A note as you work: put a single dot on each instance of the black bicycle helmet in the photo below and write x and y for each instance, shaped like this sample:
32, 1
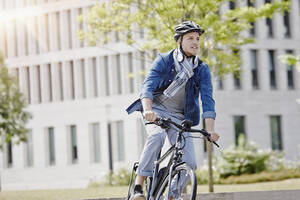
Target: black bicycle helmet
187, 27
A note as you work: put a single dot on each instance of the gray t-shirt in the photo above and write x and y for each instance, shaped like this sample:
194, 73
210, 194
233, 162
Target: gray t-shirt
173, 106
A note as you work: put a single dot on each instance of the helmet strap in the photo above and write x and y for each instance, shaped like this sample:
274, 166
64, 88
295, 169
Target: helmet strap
180, 45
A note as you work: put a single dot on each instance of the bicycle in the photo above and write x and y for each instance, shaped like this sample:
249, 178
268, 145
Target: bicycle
158, 186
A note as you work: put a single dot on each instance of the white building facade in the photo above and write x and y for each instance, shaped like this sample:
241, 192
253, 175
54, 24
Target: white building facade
78, 95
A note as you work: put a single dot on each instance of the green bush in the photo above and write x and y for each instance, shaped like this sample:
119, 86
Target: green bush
122, 177
202, 175
244, 158
261, 177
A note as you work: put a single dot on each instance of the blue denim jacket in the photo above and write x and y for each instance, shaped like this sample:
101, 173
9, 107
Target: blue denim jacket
160, 77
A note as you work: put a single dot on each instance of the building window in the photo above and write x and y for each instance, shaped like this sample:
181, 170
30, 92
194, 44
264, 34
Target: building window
73, 144
272, 69
49, 72
3, 40
142, 33
239, 127
270, 27
254, 69
117, 36
237, 81
95, 77
290, 73
60, 76
120, 138
116, 141
9, 155
106, 72
17, 75
28, 92
39, 89
276, 139
69, 28
252, 30
232, 5
287, 27
14, 30
143, 65
95, 142
269, 23
82, 65
80, 25
220, 84
26, 36
72, 79
47, 35
118, 71
36, 39
51, 146
28, 149
58, 31
130, 73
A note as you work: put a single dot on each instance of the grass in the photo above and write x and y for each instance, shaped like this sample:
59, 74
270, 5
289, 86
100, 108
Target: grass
67, 194
121, 191
261, 177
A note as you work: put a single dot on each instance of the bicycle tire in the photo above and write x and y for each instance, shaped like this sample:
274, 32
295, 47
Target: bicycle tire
192, 190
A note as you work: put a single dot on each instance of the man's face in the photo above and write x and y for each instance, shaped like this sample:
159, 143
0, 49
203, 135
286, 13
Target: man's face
190, 43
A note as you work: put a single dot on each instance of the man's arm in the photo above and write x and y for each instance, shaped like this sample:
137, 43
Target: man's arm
210, 127
147, 110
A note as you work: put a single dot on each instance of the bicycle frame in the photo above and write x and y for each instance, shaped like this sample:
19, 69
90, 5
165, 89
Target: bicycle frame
176, 150
175, 159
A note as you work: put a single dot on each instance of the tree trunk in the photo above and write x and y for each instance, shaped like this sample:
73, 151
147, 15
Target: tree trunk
210, 171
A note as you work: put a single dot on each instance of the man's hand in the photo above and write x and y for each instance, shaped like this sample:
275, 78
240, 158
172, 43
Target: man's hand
214, 136
149, 115
210, 124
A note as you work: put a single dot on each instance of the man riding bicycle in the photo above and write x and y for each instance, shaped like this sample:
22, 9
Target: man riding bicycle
171, 90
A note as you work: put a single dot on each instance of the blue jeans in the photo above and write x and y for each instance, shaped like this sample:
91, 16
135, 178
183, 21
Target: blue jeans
154, 144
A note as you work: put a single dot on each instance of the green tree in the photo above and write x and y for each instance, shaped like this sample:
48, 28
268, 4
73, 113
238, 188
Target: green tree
156, 19
13, 116
292, 61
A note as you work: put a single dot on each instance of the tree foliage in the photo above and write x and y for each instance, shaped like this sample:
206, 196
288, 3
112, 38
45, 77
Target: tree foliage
292, 61
13, 115
225, 29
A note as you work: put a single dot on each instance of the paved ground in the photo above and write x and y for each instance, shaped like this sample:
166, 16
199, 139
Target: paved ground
259, 195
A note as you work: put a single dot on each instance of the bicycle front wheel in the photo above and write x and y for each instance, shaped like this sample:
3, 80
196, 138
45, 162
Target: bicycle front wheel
183, 184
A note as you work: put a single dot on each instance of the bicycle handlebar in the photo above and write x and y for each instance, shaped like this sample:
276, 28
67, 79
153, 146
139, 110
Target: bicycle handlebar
185, 126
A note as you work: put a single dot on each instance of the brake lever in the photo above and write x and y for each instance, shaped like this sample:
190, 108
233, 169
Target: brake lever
160, 122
